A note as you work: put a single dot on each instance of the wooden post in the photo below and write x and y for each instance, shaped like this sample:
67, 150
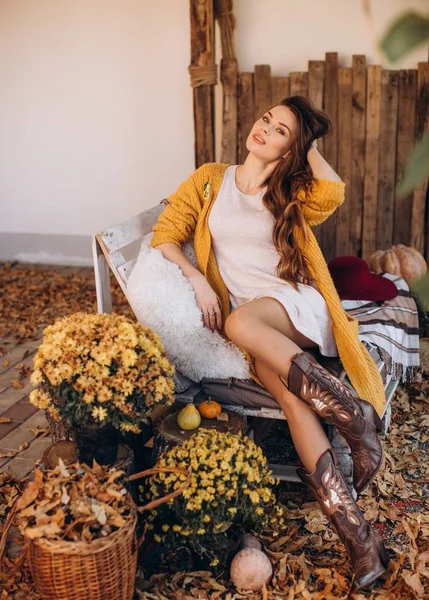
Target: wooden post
327, 229
316, 84
279, 89
387, 159
373, 117
262, 90
358, 153
405, 143
203, 78
420, 193
299, 83
229, 79
345, 92
246, 112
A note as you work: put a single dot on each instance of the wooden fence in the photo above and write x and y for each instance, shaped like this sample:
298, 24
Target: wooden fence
376, 115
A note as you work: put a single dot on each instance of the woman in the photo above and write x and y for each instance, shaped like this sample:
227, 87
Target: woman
258, 256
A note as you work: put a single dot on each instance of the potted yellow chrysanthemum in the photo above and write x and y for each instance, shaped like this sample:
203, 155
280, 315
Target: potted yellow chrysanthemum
100, 374
231, 488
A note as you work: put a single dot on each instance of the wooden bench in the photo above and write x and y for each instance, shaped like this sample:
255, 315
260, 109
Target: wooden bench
116, 249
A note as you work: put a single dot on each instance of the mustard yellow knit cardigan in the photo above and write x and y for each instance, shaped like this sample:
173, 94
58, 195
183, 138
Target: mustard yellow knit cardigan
187, 213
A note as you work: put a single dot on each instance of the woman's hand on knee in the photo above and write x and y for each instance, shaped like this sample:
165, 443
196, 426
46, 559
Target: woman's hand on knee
207, 302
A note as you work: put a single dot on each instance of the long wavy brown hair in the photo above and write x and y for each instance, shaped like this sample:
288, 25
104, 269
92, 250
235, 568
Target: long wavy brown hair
292, 175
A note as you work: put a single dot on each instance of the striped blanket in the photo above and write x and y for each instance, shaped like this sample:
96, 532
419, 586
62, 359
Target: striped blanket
392, 327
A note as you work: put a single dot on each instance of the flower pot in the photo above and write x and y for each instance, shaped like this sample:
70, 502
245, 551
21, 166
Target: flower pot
96, 443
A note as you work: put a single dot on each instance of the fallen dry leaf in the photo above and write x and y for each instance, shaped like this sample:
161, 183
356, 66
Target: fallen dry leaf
39, 431
397, 494
18, 385
6, 454
4, 420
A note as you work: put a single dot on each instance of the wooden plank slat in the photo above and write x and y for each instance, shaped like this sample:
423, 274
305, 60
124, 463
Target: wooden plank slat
121, 235
330, 102
405, 142
316, 83
355, 206
279, 89
246, 112
387, 159
299, 83
373, 117
262, 90
202, 55
417, 237
124, 270
229, 79
102, 275
16, 354
10, 375
345, 94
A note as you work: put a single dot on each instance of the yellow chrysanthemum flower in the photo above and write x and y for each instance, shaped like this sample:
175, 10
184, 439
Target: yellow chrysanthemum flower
99, 413
103, 358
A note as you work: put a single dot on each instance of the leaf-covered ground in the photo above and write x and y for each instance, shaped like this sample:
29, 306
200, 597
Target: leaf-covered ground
308, 559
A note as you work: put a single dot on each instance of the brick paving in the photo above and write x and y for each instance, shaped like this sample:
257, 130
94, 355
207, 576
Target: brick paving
20, 447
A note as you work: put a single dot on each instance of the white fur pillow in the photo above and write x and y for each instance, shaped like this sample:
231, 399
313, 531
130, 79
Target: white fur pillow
164, 300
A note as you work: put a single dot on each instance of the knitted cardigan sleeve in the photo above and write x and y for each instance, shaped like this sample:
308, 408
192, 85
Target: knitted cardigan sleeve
178, 220
323, 199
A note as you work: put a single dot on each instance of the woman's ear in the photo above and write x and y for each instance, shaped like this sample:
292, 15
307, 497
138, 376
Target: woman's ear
287, 154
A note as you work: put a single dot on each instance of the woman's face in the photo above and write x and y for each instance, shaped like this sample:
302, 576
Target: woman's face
272, 135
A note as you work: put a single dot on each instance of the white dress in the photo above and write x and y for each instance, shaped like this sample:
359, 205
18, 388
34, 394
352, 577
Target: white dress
241, 229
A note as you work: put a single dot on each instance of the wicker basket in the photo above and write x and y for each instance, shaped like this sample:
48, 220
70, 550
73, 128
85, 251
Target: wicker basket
102, 570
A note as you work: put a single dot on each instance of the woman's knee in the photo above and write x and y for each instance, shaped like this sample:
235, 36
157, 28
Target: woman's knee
238, 325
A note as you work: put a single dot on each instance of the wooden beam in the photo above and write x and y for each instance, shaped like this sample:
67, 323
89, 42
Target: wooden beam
387, 159
420, 193
203, 67
246, 112
229, 79
330, 101
316, 84
279, 89
262, 90
358, 153
405, 142
345, 92
372, 148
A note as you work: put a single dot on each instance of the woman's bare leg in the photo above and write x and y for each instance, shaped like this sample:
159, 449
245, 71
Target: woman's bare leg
307, 433
264, 329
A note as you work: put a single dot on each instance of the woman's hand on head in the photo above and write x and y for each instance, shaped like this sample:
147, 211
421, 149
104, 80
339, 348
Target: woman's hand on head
207, 302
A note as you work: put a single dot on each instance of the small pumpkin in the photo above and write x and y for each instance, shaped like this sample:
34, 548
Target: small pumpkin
250, 541
189, 418
399, 260
250, 569
210, 409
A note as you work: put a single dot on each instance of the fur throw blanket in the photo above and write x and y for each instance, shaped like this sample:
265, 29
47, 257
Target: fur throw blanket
164, 300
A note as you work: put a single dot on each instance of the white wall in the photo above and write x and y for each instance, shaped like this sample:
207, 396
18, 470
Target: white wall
96, 116
286, 34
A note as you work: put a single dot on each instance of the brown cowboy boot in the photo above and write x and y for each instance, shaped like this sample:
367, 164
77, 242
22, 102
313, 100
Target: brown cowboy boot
366, 550
354, 418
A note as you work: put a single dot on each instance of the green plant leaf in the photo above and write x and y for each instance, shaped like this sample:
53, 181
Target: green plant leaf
421, 289
417, 167
405, 33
